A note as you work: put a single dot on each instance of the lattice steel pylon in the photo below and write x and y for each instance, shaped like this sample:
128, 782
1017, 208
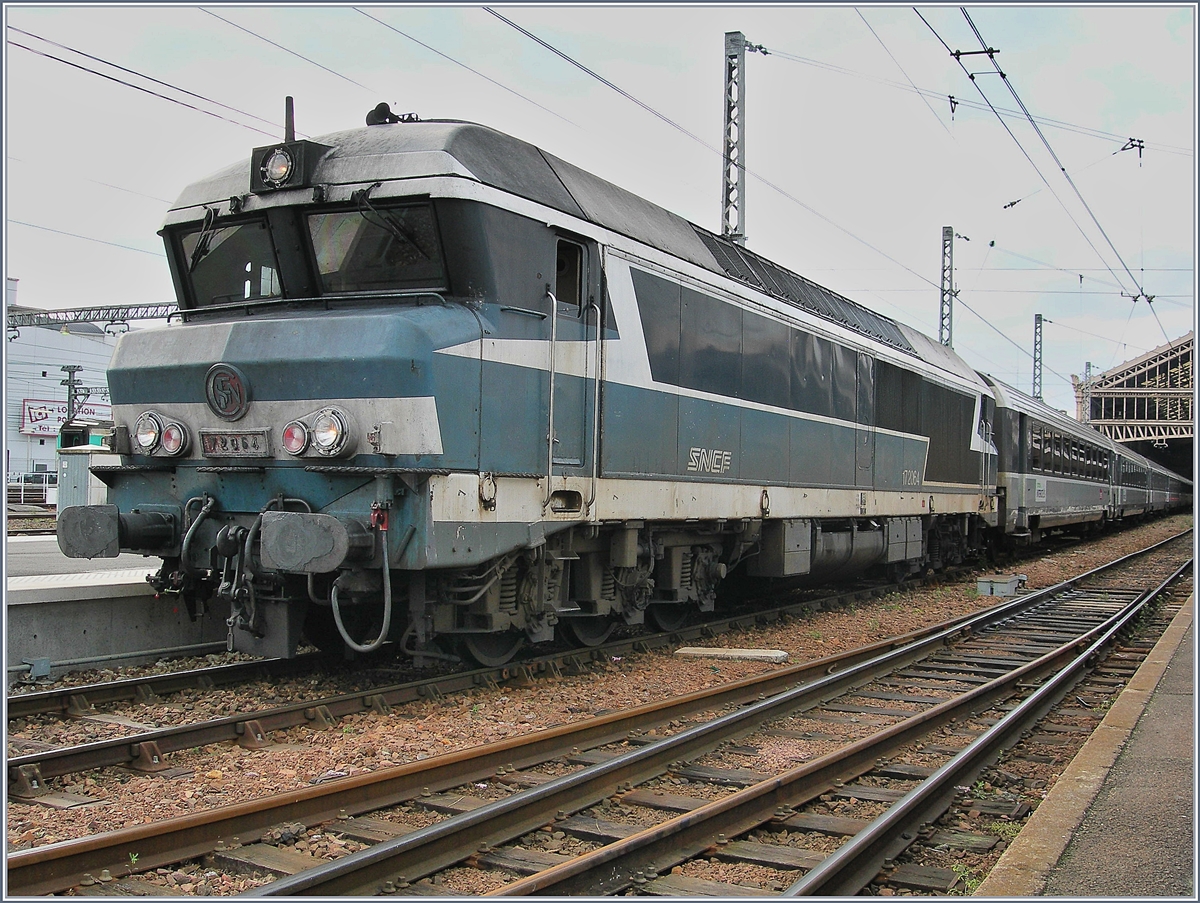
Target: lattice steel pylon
1037, 357
1146, 399
946, 318
733, 172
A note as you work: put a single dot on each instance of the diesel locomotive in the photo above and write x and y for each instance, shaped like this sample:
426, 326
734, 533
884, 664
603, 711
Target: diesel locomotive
433, 386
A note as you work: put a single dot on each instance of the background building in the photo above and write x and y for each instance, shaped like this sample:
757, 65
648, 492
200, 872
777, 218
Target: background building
1146, 404
35, 394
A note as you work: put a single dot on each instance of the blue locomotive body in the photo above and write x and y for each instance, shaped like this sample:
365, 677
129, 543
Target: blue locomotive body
434, 384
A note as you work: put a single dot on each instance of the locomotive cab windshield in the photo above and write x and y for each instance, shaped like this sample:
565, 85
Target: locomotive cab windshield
230, 263
366, 248
377, 248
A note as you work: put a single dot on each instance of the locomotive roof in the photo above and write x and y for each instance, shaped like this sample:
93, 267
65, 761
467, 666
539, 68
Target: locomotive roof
467, 150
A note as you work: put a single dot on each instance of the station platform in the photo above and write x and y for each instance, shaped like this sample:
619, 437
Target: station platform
58, 623
1120, 820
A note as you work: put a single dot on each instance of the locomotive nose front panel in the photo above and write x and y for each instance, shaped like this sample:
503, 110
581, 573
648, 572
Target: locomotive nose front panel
328, 385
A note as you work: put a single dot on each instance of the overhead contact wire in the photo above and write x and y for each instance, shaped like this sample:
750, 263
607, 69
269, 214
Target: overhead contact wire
1066, 175
971, 104
1018, 143
710, 147
148, 78
1010, 341
446, 56
902, 72
1086, 238
119, 81
87, 238
600, 78
288, 50
1053, 155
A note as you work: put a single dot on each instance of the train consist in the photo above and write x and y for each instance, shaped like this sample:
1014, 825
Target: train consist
436, 386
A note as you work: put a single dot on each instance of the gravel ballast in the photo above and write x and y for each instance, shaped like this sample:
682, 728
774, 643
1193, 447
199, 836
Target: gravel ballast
224, 774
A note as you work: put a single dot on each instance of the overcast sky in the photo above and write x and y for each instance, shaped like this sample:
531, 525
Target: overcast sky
856, 157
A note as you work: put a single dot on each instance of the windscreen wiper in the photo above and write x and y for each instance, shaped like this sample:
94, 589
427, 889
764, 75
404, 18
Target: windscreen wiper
207, 231
385, 219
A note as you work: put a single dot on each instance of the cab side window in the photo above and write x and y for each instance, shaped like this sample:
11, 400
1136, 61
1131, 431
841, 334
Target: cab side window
568, 275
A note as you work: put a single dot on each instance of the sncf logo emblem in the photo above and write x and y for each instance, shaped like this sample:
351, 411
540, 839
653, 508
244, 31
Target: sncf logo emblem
227, 391
709, 460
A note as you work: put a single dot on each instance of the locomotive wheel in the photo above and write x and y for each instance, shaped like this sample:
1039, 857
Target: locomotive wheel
584, 632
666, 617
492, 649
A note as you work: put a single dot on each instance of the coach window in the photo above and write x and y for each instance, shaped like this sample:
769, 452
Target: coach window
568, 275
1035, 448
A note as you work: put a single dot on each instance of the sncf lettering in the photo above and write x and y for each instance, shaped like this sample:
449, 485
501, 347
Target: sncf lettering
709, 460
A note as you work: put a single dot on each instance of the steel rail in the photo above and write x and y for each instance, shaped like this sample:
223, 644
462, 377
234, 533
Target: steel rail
856, 862
56, 867
66, 700
439, 846
58, 700
614, 867
124, 750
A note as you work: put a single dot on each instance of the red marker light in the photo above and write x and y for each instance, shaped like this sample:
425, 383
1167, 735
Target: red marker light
295, 438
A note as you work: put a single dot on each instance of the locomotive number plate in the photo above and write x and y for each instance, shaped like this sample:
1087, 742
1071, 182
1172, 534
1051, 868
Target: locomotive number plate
235, 443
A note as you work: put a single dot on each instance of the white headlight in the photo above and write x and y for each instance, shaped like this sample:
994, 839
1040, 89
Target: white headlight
147, 432
277, 167
329, 432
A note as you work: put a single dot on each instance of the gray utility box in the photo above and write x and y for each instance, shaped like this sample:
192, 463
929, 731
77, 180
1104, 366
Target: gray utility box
786, 549
76, 484
1001, 584
904, 539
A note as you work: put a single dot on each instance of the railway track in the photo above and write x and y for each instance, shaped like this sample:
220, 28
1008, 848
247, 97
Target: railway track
30, 523
79, 700
608, 788
146, 750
